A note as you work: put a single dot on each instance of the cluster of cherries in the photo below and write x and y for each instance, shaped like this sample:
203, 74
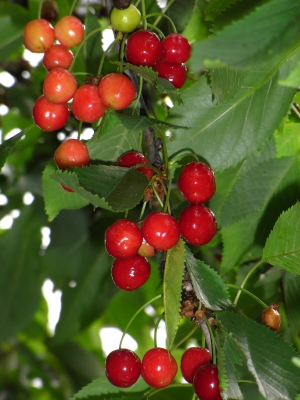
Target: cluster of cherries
158, 368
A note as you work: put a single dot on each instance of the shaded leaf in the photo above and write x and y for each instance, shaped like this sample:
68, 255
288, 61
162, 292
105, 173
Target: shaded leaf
172, 286
136, 124
287, 140
7, 146
217, 7
291, 289
163, 86
92, 48
293, 80
226, 82
146, 73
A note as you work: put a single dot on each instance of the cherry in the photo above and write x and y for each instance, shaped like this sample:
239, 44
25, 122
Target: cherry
59, 85
146, 250
159, 367
38, 35
122, 367
132, 158
87, 105
161, 230
50, 116
71, 153
191, 360
130, 273
197, 182
174, 73
125, 20
116, 91
197, 224
177, 49
206, 383
69, 31
144, 48
49, 10
123, 239
57, 56
120, 4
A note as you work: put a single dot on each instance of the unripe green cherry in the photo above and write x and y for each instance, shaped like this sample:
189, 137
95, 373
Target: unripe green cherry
126, 20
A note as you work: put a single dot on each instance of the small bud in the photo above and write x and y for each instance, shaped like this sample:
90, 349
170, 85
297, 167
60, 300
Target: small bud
271, 317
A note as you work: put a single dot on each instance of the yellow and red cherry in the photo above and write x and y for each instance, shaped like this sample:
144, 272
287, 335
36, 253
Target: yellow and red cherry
57, 56
59, 85
71, 153
38, 35
50, 116
87, 105
69, 31
116, 91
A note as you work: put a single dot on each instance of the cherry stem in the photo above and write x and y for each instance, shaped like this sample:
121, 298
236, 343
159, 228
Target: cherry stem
144, 15
24, 131
154, 28
105, 53
165, 16
245, 281
247, 381
121, 53
167, 201
264, 305
156, 328
155, 192
73, 6
40, 10
184, 339
194, 396
140, 87
163, 11
180, 156
143, 210
134, 316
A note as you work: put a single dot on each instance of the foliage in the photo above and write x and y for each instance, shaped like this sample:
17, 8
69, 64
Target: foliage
238, 112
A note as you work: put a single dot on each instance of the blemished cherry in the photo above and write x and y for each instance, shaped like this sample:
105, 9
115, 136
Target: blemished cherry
123, 239
159, 367
144, 48
116, 91
57, 56
71, 153
132, 158
125, 20
69, 31
50, 116
130, 273
38, 35
122, 368
146, 250
59, 85
192, 359
174, 73
87, 105
161, 230
197, 182
197, 224
177, 49
206, 383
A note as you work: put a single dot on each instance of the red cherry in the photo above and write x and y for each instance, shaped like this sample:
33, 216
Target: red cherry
174, 73
50, 116
197, 182
159, 367
87, 105
132, 158
130, 273
191, 360
206, 383
122, 367
144, 48
177, 49
38, 35
197, 224
69, 31
161, 231
71, 153
57, 56
123, 239
116, 91
59, 85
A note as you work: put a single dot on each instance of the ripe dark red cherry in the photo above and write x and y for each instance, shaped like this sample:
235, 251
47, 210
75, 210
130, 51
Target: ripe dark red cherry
59, 85
159, 367
174, 73
192, 359
161, 231
69, 31
122, 367
132, 158
197, 224
177, 49
130, 273
87, 105
123, 239
206, 383
50, 116
197, 182
38, 35
144, 48
71, 153
57, 56
116, 91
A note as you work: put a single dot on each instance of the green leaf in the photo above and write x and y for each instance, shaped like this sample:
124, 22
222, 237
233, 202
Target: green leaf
137, 124
163, 86
172, 286
226, 82
291, 289
269, 30
7, 146
287, 140
92, 48
282, 248
268, 356
209, 287
217, 7
147, 73
180, 12
293, 80
226, 133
